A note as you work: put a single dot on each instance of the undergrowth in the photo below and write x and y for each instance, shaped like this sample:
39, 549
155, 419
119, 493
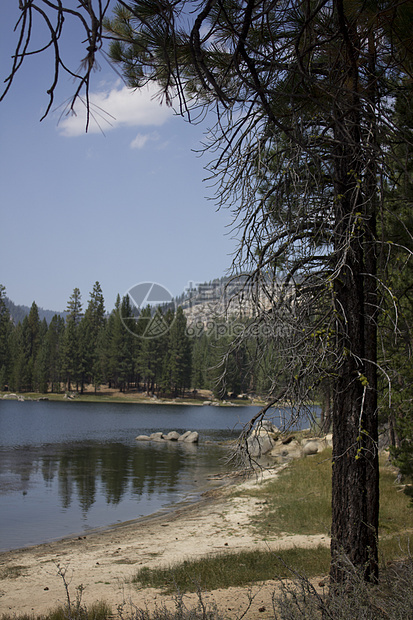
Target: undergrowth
298, 500
234, 569
295, 598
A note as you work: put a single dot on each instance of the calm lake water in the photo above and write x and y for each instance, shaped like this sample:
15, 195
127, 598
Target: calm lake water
70, 467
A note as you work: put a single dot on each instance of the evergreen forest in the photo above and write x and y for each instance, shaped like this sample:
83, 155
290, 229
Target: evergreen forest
91, 348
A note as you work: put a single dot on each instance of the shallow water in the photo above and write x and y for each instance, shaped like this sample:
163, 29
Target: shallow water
69, 467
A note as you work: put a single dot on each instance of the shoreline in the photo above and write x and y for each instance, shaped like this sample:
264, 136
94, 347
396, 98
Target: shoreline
133, 397
201, 496
104, 561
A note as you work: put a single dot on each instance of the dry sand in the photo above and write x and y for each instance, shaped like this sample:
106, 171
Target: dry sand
103, 562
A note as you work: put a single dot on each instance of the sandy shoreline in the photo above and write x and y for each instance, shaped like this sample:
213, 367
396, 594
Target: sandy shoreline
104, 561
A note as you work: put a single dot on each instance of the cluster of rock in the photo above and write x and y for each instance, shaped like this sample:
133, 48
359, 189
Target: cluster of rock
266, 439
187, 437
20, 398
10, 396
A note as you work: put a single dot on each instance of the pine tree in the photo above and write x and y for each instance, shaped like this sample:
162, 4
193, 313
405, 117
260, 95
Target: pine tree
5, 335
54, 337
128, 343
121, 343
71, 346
31, 340
90, 328
200, 361
41, 363
179, 354
145, 350
303, 92
19, 377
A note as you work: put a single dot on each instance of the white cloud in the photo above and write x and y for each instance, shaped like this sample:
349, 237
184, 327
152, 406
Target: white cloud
141, 139
116, 108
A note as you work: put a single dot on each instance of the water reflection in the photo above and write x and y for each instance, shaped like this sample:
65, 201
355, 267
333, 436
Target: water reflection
66, 468
112, 470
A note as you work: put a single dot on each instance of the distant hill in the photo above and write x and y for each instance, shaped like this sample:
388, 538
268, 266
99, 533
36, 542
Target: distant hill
18, 312
201, 302
223, 297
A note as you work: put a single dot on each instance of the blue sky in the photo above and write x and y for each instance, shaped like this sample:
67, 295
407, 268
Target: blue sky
122, 207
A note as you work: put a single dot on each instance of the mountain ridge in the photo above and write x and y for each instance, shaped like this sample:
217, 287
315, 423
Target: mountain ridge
19, 311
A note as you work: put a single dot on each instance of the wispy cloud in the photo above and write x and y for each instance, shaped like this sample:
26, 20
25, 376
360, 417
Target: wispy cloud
117, 107
141, 139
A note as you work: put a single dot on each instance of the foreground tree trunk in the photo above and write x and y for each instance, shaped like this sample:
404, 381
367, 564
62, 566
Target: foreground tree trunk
355, 478
355, 497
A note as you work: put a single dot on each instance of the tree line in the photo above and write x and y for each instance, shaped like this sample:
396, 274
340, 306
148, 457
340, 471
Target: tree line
116, 349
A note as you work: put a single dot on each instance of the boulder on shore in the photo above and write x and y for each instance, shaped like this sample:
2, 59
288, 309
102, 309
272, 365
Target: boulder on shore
312, 447
258, 445
192, 437
265, 439
262, 438
283, 452
187, 437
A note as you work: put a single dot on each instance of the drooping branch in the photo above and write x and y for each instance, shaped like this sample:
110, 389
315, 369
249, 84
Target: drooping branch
89, 15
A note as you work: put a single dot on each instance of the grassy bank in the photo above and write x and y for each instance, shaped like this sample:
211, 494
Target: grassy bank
298, 501
235, 569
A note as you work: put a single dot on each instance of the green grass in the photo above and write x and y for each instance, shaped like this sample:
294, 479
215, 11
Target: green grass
396, 511
395, 519
298, 501
235, 569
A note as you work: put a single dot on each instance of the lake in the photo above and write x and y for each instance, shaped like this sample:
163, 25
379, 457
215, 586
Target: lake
67, 468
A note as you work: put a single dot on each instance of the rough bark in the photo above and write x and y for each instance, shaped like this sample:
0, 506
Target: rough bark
355, 497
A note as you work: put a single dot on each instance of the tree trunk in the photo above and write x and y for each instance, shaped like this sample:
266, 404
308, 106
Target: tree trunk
355, 497
355, 480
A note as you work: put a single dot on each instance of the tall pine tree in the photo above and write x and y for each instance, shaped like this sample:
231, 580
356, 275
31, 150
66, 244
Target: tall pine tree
5, 334
91, 326
71, 346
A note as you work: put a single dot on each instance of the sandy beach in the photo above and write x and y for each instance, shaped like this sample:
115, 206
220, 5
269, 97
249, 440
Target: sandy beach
104, 561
